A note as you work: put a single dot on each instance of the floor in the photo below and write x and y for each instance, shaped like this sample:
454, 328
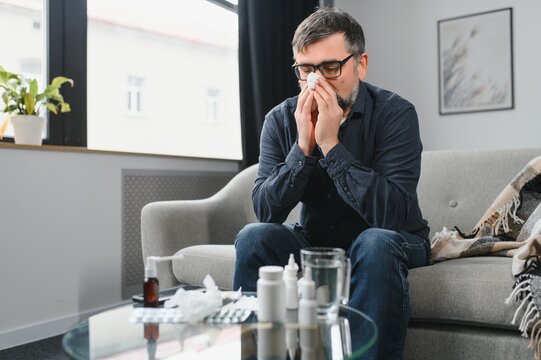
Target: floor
46, 349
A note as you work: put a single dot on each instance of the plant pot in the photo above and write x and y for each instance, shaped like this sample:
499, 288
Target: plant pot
28, 129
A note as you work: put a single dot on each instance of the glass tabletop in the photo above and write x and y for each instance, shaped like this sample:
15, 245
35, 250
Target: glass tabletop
109, 335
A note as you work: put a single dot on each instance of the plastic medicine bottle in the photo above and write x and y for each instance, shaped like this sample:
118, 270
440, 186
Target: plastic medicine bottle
271, 294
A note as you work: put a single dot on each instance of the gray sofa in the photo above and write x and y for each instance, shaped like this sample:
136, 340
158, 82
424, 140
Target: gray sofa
458, 309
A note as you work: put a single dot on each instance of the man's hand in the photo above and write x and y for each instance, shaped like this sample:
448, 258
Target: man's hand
306, 116
329, 117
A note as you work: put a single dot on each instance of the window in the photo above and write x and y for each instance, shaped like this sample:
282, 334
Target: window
212, 106
172, 65
17, 55
135, 85
185, 56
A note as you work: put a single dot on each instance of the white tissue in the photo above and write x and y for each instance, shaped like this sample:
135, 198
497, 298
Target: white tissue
311, 80
196, 305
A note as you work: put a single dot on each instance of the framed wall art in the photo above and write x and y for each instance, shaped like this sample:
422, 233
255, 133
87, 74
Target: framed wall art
475, 58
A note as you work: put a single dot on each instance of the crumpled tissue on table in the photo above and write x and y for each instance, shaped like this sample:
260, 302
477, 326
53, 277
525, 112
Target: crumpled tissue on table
196, 305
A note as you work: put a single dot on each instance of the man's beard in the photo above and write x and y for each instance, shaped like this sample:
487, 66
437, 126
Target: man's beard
346, 103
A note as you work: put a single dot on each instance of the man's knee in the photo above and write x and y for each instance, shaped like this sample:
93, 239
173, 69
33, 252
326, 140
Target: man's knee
255, 235
376, 244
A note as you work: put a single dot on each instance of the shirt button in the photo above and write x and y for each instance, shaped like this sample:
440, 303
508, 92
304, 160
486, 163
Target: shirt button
299, 163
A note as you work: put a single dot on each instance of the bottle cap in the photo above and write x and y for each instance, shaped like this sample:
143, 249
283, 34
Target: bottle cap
308, 287
151, 271
291, 269
271, 272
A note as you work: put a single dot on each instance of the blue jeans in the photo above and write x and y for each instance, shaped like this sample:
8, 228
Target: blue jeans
380, 260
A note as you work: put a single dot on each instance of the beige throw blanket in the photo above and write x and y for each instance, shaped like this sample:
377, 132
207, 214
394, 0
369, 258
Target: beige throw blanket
510, 227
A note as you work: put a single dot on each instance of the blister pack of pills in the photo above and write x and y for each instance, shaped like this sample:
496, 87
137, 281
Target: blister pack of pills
156, 315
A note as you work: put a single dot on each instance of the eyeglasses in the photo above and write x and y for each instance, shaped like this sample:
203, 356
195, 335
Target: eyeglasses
329, 69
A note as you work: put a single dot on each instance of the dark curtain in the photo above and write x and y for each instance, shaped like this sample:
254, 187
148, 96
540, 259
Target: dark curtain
266, 28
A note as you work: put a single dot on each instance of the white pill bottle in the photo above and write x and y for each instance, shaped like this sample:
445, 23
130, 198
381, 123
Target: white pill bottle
271, 295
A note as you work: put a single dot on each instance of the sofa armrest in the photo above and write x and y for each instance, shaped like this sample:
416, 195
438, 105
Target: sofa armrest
168, 226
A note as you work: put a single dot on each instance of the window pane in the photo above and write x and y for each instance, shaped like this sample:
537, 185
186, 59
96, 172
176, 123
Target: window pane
163, 78
23, 42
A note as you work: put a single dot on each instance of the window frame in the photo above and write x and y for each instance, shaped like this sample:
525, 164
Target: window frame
66, 55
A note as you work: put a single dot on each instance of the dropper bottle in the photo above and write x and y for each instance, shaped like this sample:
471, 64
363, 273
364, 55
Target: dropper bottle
290, 279
151, 287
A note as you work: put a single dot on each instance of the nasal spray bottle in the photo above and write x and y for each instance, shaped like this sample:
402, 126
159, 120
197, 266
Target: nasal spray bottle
308, 316
308, 303
292, 303
151, 287
290, 279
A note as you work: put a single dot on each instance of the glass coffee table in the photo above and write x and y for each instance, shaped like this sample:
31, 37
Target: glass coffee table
109, 335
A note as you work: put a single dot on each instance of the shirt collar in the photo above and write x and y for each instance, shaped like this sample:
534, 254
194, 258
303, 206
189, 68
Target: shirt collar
359, 105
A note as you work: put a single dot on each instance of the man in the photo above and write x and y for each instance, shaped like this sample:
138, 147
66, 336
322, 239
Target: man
350, 153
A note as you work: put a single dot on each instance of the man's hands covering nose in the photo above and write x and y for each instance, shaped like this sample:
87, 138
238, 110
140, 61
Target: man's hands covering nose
318, 117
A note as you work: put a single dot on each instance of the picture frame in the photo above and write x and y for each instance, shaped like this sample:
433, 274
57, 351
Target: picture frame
475, 62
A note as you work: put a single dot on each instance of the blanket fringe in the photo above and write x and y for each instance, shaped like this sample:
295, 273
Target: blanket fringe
522, 287
524, 301
522, 292
499, 219
507, 211
535, 333
528, 315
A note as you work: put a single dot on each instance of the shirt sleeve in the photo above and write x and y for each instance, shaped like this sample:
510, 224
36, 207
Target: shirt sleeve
384, 193
282, 176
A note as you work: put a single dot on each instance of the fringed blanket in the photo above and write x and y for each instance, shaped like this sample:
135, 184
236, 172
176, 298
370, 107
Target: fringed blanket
510, 227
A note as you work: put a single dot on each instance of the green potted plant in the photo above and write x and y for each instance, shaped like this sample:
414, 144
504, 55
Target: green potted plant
21, 99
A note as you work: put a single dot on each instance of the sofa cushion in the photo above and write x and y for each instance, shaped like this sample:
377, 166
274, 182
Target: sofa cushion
468, 291
216, 260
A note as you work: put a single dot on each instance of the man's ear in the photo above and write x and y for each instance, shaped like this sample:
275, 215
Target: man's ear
362, 66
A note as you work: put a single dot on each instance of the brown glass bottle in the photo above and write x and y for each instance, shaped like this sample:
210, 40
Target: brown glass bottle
151, 292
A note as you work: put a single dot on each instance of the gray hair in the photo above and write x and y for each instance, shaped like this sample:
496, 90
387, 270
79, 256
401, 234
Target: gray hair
325, 22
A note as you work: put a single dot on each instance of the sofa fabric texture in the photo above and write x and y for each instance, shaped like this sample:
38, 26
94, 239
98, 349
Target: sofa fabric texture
454, 303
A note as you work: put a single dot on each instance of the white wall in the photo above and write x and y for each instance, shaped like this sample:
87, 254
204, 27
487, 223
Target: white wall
402, 45
60, 235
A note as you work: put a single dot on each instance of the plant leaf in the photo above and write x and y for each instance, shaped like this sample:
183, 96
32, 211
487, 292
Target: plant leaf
33, 87
52, 108
4, 126
29, 103
50, 91
65, 107
59, 80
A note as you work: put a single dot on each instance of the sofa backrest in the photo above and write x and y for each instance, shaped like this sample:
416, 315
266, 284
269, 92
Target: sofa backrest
455, 188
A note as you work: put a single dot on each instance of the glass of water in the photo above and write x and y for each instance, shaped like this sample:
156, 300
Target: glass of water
331, 271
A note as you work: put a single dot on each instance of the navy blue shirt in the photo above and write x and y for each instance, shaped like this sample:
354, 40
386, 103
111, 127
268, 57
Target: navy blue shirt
368, 180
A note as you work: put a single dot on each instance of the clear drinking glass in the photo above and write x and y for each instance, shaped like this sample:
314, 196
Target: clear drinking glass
331, 271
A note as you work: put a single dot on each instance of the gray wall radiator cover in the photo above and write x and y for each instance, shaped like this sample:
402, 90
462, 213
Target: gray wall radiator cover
140, 187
